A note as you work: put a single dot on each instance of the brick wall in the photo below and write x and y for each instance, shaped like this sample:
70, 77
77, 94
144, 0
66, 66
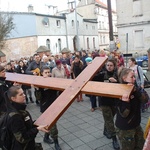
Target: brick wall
21, 47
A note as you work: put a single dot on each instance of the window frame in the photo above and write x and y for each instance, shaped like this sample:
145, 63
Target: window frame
58, 23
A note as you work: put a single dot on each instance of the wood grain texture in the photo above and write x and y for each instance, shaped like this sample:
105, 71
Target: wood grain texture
71, 89
92, 88
114, 90
60, 105
39, 81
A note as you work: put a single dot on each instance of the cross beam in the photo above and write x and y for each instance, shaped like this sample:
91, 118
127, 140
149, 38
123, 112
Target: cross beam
91, 88
71, 89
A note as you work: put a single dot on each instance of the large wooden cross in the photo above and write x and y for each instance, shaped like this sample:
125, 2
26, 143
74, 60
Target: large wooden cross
71, 88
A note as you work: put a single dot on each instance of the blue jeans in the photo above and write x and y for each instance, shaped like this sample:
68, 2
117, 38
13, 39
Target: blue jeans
93, 101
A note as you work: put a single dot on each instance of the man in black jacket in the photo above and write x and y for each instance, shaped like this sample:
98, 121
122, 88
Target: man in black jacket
34, 69
3, 88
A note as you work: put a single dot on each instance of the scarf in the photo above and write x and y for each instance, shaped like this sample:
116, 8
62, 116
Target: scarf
67, 72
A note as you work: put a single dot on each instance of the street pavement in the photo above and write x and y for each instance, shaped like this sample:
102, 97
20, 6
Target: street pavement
79, 128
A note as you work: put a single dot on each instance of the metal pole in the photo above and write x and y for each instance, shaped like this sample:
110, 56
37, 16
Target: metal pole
111, 38
126, 47
110, 21
76, 22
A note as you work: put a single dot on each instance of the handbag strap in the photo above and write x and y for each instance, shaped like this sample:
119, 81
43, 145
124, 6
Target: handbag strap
145, 77
138, 72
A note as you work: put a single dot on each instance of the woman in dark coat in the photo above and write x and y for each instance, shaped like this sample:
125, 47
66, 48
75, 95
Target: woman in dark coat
76, 69
21, 68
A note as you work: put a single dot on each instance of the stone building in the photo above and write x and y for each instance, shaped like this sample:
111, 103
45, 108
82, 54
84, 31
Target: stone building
87, 32
2, 56
98, 10
133, 26
33, 30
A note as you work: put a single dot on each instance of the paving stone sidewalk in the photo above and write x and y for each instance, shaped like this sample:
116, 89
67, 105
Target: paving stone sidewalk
79, 128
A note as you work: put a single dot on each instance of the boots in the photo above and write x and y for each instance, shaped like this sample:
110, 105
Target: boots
57, 147
108, 135
47, 139
115, 143
31, 100
27, 101
37, 103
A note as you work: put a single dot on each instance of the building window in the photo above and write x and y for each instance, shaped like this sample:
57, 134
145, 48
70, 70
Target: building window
88, 47
93, 42
101, 39
59, 45
45, 21
104, 40
86, 2
48, 43
100, 26
93, 27
86, 26
137, 8
77, 23
58, 23
72, 22
138, 39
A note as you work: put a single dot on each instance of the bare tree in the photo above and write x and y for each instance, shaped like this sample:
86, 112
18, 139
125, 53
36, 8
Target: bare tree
6, 25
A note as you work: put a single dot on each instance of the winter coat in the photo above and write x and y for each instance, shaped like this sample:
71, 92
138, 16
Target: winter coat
21, 128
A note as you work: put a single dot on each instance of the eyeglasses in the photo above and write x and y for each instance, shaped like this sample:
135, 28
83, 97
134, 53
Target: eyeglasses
109, 65
47, 72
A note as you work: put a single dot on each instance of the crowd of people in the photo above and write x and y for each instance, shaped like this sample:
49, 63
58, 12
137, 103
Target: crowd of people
127, 110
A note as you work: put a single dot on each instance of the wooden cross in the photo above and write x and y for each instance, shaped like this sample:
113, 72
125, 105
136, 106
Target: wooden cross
71, 89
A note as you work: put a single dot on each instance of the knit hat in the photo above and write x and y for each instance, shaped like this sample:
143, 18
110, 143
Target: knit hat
88, 59
58, 62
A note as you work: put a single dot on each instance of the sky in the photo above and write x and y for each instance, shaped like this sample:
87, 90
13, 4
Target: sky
39, 5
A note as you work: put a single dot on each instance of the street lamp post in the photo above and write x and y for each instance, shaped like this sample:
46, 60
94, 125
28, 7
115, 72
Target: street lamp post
111, 38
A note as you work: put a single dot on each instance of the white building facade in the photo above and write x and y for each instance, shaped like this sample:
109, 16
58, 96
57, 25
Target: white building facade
87, 32
134, 26
97, 9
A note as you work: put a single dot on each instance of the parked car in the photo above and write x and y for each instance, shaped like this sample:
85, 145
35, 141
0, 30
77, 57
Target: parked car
142, 61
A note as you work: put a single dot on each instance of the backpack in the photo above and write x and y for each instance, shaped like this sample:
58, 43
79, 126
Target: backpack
5, 135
